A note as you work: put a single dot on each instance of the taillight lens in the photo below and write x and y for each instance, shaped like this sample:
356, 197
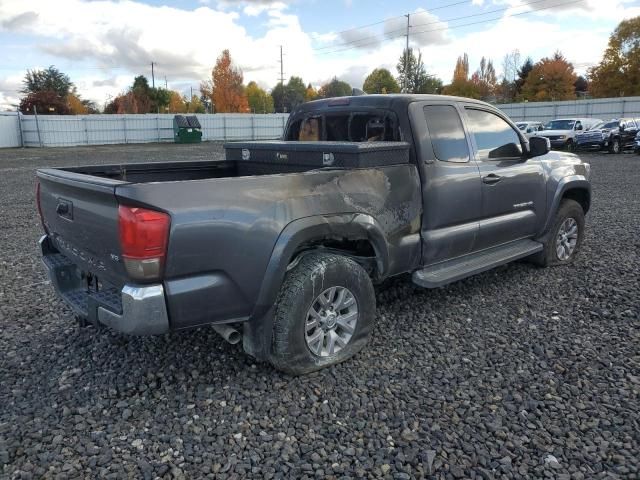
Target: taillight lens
144, 235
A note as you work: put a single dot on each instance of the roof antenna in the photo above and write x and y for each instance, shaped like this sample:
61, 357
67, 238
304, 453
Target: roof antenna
356, 92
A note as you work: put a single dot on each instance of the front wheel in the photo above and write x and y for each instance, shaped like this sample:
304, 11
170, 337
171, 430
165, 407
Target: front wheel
571, 147
563, 241
324, 315
615, 146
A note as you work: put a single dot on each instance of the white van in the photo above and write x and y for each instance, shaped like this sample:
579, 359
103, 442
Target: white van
561, 132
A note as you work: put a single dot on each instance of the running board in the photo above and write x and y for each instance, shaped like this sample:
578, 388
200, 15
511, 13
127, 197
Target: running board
459, 268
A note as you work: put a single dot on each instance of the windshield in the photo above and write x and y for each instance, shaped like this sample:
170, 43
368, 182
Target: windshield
560, 125
521, 126
609, 125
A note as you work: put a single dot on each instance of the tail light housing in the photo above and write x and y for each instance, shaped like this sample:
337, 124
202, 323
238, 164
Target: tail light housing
144, 235
39, 205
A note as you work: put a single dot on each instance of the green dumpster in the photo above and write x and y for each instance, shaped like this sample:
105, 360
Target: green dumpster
186, 129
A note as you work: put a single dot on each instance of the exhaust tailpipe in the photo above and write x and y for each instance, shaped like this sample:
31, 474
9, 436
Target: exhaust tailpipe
230, 334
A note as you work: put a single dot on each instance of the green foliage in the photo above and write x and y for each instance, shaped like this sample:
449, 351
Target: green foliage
259, 100
289, 96
48, 80
412, 75
335, 88
618, 73
380, 81
46, 102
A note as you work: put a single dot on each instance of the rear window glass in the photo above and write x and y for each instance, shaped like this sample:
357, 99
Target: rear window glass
446, 132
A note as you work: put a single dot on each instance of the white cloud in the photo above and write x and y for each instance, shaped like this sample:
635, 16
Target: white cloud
109, 42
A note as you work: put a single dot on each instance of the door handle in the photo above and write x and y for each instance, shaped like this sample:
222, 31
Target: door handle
491, 179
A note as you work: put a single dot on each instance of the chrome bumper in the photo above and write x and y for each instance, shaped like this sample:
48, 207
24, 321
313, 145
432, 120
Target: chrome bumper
134, 310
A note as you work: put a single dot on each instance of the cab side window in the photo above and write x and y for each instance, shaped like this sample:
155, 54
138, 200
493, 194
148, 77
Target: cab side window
447, 135
494, 137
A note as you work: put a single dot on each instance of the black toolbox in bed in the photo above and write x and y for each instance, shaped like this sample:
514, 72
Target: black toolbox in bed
319, 154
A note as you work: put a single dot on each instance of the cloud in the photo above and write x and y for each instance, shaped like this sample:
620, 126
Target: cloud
364, 38
20, 21
424, 28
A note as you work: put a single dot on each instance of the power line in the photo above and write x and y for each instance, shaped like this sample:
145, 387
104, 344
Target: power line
389, 34
357, 44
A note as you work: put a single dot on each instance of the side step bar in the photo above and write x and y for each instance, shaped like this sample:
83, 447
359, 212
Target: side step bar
459, 268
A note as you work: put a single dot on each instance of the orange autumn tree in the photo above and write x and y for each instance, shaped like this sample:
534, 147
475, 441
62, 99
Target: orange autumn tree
225, 88
551, 79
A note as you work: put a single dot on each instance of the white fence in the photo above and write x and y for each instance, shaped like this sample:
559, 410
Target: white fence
70, 130
67, 130
602, 108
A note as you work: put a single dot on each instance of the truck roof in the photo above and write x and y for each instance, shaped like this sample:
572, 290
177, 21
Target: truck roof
392, 101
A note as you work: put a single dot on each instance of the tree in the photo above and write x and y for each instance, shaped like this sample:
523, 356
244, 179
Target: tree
177, 103
259, 100
225, 88
289, 96
76, 107
412, 75
461, 70
506, 90
618, 73
582, 86
523, 73
46, 102
335, 88
485, 79
195, 105
461, 85
380, 81
551, 79
48, 80
310, 93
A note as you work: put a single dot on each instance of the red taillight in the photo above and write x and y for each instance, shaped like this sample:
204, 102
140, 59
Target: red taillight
143, 240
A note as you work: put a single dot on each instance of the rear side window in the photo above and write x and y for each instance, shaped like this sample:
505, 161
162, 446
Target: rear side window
494, 137
446, 132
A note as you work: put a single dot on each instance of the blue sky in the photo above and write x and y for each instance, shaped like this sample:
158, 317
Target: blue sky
103, 44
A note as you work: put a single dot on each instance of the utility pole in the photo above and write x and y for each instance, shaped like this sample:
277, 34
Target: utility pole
165, 83
191, 97
284, 91
281, 67
406, 58
153, 77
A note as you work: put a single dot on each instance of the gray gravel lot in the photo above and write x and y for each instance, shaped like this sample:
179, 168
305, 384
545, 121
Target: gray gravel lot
517, 373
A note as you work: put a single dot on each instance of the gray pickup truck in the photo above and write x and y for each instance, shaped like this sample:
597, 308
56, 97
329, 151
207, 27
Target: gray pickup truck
280, 244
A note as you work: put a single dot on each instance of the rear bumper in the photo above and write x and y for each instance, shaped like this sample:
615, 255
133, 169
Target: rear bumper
134, 309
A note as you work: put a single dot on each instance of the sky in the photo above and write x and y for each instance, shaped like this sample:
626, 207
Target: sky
102, 45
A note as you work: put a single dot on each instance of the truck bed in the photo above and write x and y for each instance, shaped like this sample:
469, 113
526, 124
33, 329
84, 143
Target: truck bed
246, 159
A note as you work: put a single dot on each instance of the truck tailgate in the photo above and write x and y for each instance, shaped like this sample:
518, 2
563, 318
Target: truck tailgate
80, 213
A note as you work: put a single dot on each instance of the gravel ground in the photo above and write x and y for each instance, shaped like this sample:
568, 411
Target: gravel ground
517, 373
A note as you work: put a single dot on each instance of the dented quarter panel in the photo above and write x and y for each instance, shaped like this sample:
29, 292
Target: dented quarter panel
223, 231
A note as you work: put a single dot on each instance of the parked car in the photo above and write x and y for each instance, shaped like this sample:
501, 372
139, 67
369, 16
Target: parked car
562, 131
614, 135
530, 129
636, 147
280, 244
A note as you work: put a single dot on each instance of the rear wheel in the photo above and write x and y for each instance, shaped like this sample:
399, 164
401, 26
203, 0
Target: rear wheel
563, 241
571, 147
615, 146
324, 315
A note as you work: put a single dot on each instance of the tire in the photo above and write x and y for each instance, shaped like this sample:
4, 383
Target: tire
570, 146
568, 212
294, 333
615, 146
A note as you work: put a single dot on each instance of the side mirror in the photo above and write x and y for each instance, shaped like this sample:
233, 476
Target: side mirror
622, 127
578, 127
539, 146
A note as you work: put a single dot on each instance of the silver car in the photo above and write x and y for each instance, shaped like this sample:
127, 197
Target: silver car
530, 129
